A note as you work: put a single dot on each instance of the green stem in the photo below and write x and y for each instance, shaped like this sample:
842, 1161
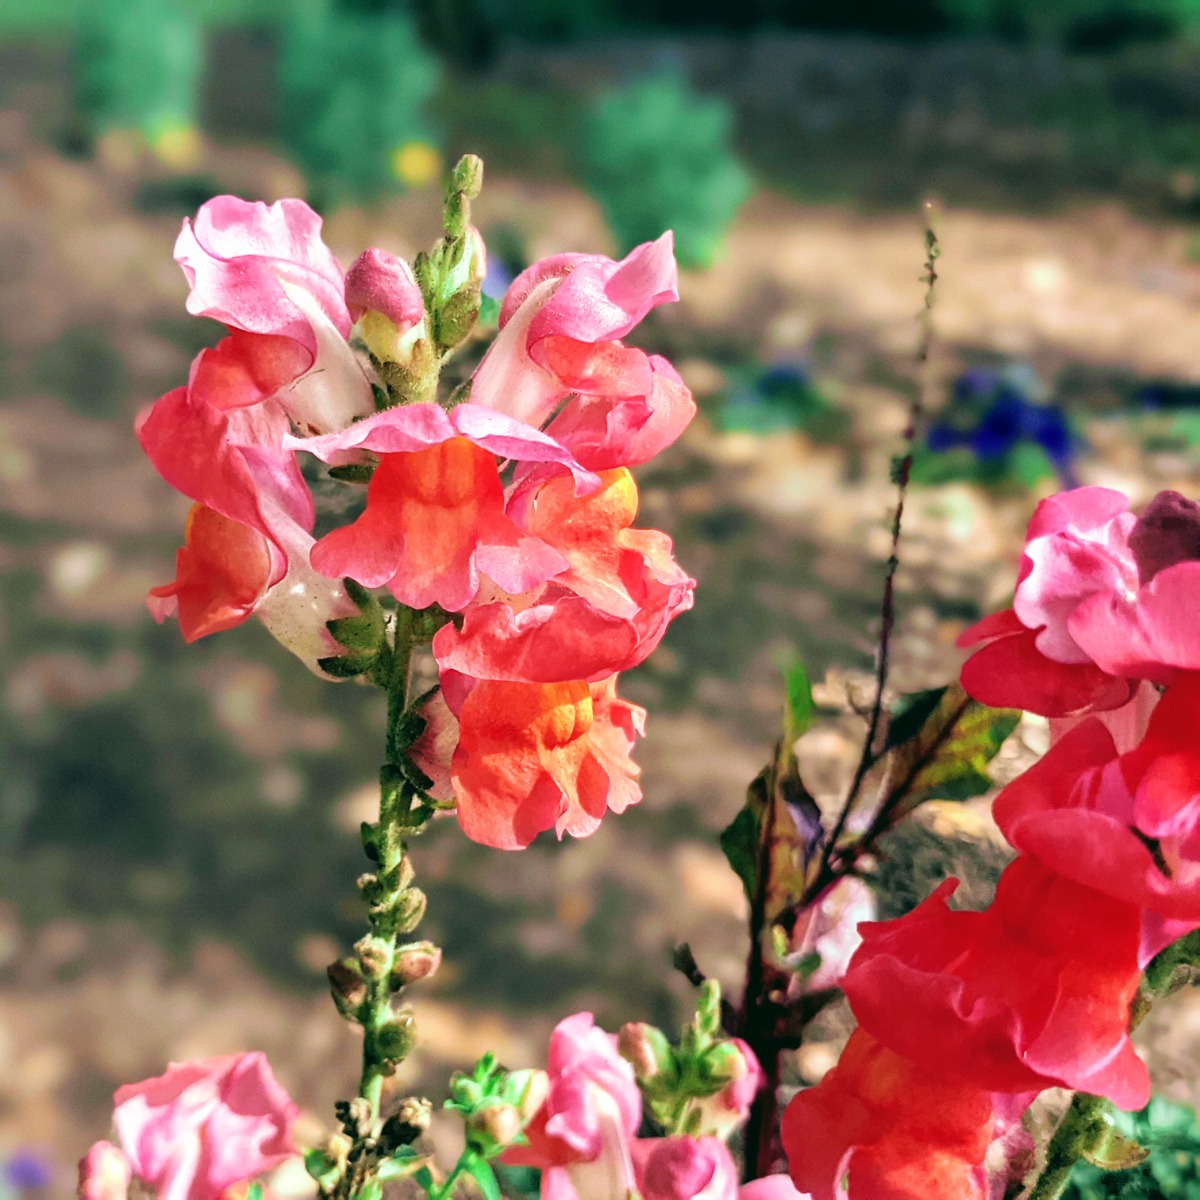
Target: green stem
1081, 1128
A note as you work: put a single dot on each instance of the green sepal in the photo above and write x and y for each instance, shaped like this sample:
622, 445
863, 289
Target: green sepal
455, 319
254, 1191
1115, 1151
354, 472
344, 667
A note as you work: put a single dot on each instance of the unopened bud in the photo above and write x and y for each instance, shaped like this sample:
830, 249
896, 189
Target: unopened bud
645, 1048
418, 960
497, 1124
467, 176
396, 1037
410, 909
347, 986
374, 955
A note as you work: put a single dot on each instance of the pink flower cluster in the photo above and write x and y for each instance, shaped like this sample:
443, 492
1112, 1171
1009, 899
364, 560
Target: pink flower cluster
964, 1017
194, 1132
584, 1139
514, 509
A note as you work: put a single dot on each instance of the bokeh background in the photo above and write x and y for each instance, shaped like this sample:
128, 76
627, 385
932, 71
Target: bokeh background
178, 826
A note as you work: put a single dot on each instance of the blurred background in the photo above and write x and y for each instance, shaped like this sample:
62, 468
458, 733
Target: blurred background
178, 826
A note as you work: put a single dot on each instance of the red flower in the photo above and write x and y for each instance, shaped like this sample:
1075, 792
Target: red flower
902, 1132
1032, 993
1124, 824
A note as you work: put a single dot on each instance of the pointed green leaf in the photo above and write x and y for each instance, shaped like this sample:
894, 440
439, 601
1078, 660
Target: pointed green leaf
739, 841
322, 1168
800, 708
947, 756
403, 1162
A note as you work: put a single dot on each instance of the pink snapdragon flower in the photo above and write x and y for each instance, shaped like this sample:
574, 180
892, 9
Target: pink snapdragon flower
264, 270
581, 1137
198, 1129
685, 1168
829, 929
560, 325
1104, 599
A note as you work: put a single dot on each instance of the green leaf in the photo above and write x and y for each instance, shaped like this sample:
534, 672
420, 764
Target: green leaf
322, 1168
424, 1177
947, 756
254, 1192
739, 841
483, 1175
800, 708
371, 1190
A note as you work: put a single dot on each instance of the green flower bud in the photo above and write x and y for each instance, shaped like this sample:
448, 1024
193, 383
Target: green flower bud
396, 1037
646, 1049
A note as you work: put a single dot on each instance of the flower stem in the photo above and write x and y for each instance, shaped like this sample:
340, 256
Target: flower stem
365, 985
1081, 1128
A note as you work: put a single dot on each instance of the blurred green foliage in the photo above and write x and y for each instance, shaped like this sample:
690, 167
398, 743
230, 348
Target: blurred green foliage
353, 90
657, 156
138, 66
1171, 1132
475, 26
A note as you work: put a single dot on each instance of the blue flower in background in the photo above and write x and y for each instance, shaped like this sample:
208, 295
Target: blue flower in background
994, 413
23, 1173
